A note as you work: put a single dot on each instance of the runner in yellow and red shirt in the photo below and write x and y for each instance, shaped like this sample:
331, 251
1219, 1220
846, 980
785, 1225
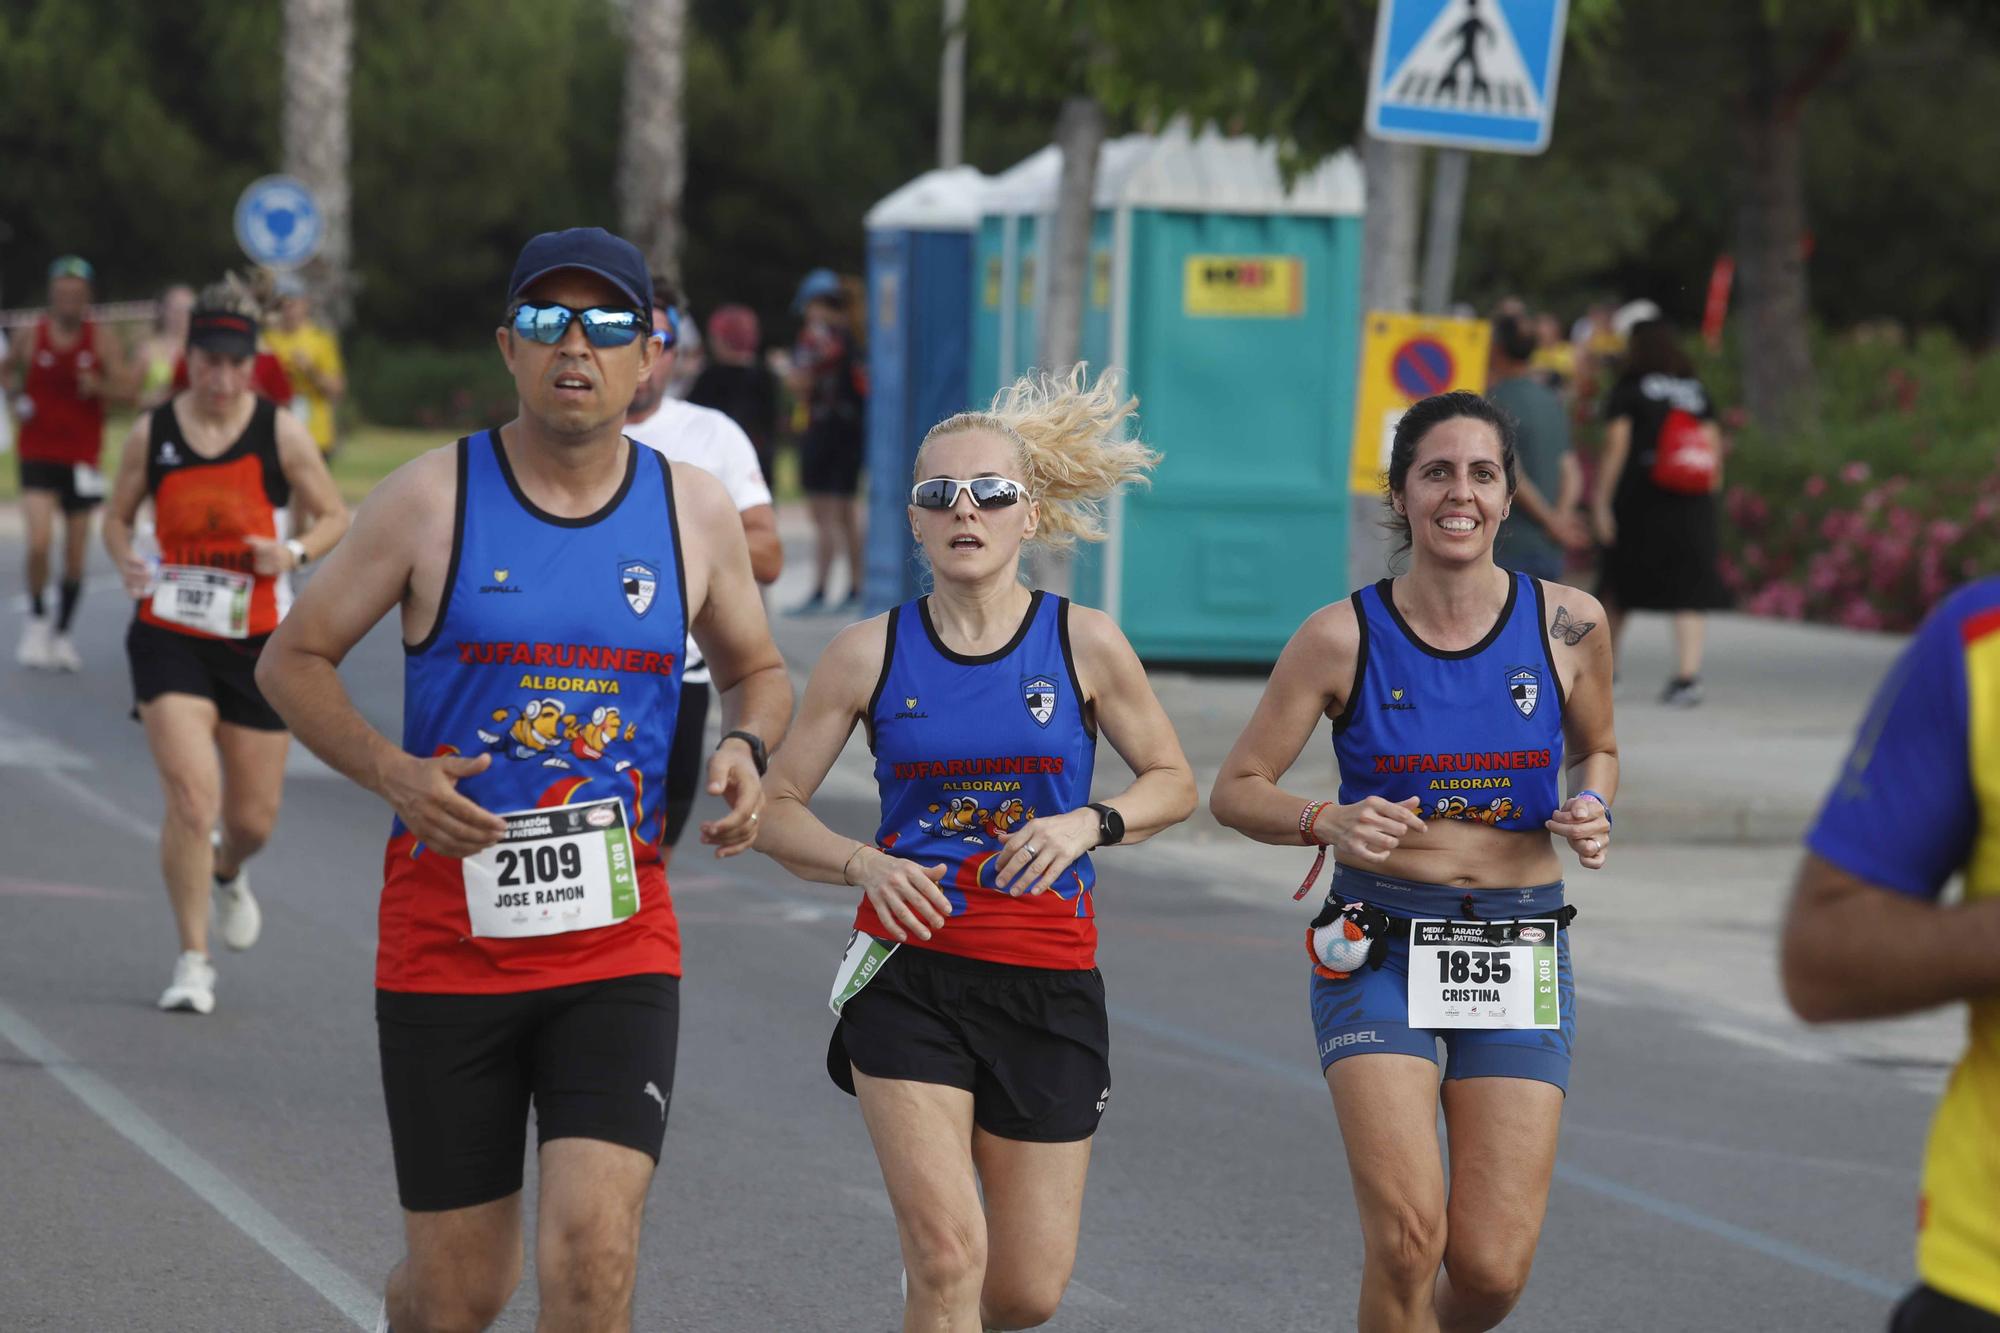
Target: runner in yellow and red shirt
1869, 935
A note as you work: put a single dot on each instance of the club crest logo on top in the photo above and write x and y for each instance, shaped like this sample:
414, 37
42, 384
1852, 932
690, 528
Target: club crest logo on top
1039, 694
639, 581
1524, 687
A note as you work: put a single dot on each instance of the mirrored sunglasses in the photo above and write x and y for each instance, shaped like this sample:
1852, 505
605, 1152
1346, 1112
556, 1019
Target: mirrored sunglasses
987, 492
603, 326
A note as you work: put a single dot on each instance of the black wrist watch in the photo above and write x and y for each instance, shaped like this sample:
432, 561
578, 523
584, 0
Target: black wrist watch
756, 744
1110, 825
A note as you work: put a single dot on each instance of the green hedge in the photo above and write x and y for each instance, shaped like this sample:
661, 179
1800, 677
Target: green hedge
433, 388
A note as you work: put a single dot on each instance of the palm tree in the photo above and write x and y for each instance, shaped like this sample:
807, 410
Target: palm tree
319, 65
652, 158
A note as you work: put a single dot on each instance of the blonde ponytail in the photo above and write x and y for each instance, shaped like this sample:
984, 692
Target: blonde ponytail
1072, 445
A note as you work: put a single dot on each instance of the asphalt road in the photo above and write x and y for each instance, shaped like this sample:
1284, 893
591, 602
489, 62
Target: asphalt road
166, 1172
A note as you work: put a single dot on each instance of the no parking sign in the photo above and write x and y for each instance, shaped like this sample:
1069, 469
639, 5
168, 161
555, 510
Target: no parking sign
1405, 358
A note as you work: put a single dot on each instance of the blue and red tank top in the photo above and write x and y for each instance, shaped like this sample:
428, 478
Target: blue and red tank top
65, 427
1476, 733
969, 748
557, 650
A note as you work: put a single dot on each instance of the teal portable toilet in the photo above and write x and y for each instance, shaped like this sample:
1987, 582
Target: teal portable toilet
1004, 272
1235, 315
1011, 281
919, 357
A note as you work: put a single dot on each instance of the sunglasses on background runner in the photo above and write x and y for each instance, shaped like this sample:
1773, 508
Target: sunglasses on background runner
987, 492
603, 326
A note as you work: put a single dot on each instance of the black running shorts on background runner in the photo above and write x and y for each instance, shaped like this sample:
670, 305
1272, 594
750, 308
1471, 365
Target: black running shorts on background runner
686, 765
459, 1072
223, 671
1032, 1045
1928, 1310
41, 475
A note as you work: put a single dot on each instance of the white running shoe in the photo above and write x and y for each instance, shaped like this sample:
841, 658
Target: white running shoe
236, 912
193, 986
63, 655
37, 637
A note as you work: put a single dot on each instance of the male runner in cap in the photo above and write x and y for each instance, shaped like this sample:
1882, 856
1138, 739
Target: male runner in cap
547, 574
709, 440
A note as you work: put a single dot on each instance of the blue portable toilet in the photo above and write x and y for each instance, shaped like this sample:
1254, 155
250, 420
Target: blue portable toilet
1235, 316
919, 333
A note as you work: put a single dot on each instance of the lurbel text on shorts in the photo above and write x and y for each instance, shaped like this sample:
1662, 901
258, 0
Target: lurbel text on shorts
1470, 762
1368, 1037
577, 656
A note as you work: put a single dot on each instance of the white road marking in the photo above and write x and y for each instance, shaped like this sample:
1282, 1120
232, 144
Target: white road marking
340, 1289
104, 807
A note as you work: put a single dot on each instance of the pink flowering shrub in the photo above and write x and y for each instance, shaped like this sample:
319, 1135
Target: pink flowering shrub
1858, 552
1893, 501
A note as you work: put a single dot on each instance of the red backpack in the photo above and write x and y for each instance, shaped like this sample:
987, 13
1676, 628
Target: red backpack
1685, 460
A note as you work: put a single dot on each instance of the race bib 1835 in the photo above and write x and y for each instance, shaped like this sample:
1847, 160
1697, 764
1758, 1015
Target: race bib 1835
1461, 976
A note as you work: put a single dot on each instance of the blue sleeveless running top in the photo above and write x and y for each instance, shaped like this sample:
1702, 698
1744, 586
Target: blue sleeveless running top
557, 650
967, 749
1476, 734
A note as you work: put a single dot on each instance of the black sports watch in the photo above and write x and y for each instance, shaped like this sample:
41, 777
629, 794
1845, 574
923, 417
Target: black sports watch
758, 755
1110, 824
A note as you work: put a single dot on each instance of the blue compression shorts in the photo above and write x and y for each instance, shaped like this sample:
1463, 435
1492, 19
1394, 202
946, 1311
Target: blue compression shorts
1368, 1013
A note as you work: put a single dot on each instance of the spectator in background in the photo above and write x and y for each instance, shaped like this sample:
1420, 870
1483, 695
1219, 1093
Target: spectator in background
1653, 507
826, 374
164, 345
737, 384
1555, 356
1544, 526
310, 354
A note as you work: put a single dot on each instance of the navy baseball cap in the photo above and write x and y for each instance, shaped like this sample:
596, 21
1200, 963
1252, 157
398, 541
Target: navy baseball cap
592, 250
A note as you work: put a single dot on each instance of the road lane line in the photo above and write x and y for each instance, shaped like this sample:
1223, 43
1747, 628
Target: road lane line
1758, 1242
106, 808
340, 1289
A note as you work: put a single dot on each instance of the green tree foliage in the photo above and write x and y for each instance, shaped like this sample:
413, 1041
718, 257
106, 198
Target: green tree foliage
127, 131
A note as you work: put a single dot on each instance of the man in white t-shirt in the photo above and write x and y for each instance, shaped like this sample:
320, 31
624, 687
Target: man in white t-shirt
712, 442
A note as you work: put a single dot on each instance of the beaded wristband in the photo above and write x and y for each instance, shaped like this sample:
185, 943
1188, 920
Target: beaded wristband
1307, 817
1602, 804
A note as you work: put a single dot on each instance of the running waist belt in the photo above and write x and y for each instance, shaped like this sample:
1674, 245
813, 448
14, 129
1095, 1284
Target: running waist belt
1379, 928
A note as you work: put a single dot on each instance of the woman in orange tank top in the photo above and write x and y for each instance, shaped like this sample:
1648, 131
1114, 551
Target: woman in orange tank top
225, 470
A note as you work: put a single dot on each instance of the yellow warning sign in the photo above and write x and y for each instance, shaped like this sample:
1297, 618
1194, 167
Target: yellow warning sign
1027, 281
1100, 279
990, 297
1405, 358
1244, 286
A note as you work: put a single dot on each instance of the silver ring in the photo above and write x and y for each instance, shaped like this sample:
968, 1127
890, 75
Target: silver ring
1031, 850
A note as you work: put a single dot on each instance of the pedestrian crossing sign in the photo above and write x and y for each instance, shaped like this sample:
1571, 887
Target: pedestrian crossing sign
1477, 74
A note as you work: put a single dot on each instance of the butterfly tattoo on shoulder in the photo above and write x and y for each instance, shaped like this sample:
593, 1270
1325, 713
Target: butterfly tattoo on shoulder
1570, 631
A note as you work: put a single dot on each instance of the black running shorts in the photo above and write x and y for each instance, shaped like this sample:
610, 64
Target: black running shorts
1032, 1045
1928, 1310
459, 1072
687, 766
40, 475
221, 670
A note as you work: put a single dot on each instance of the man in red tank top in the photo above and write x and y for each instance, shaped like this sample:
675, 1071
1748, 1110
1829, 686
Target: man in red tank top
58, 376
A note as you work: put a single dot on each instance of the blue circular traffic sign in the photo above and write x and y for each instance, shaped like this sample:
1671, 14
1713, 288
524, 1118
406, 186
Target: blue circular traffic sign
1421, 367
278, 222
